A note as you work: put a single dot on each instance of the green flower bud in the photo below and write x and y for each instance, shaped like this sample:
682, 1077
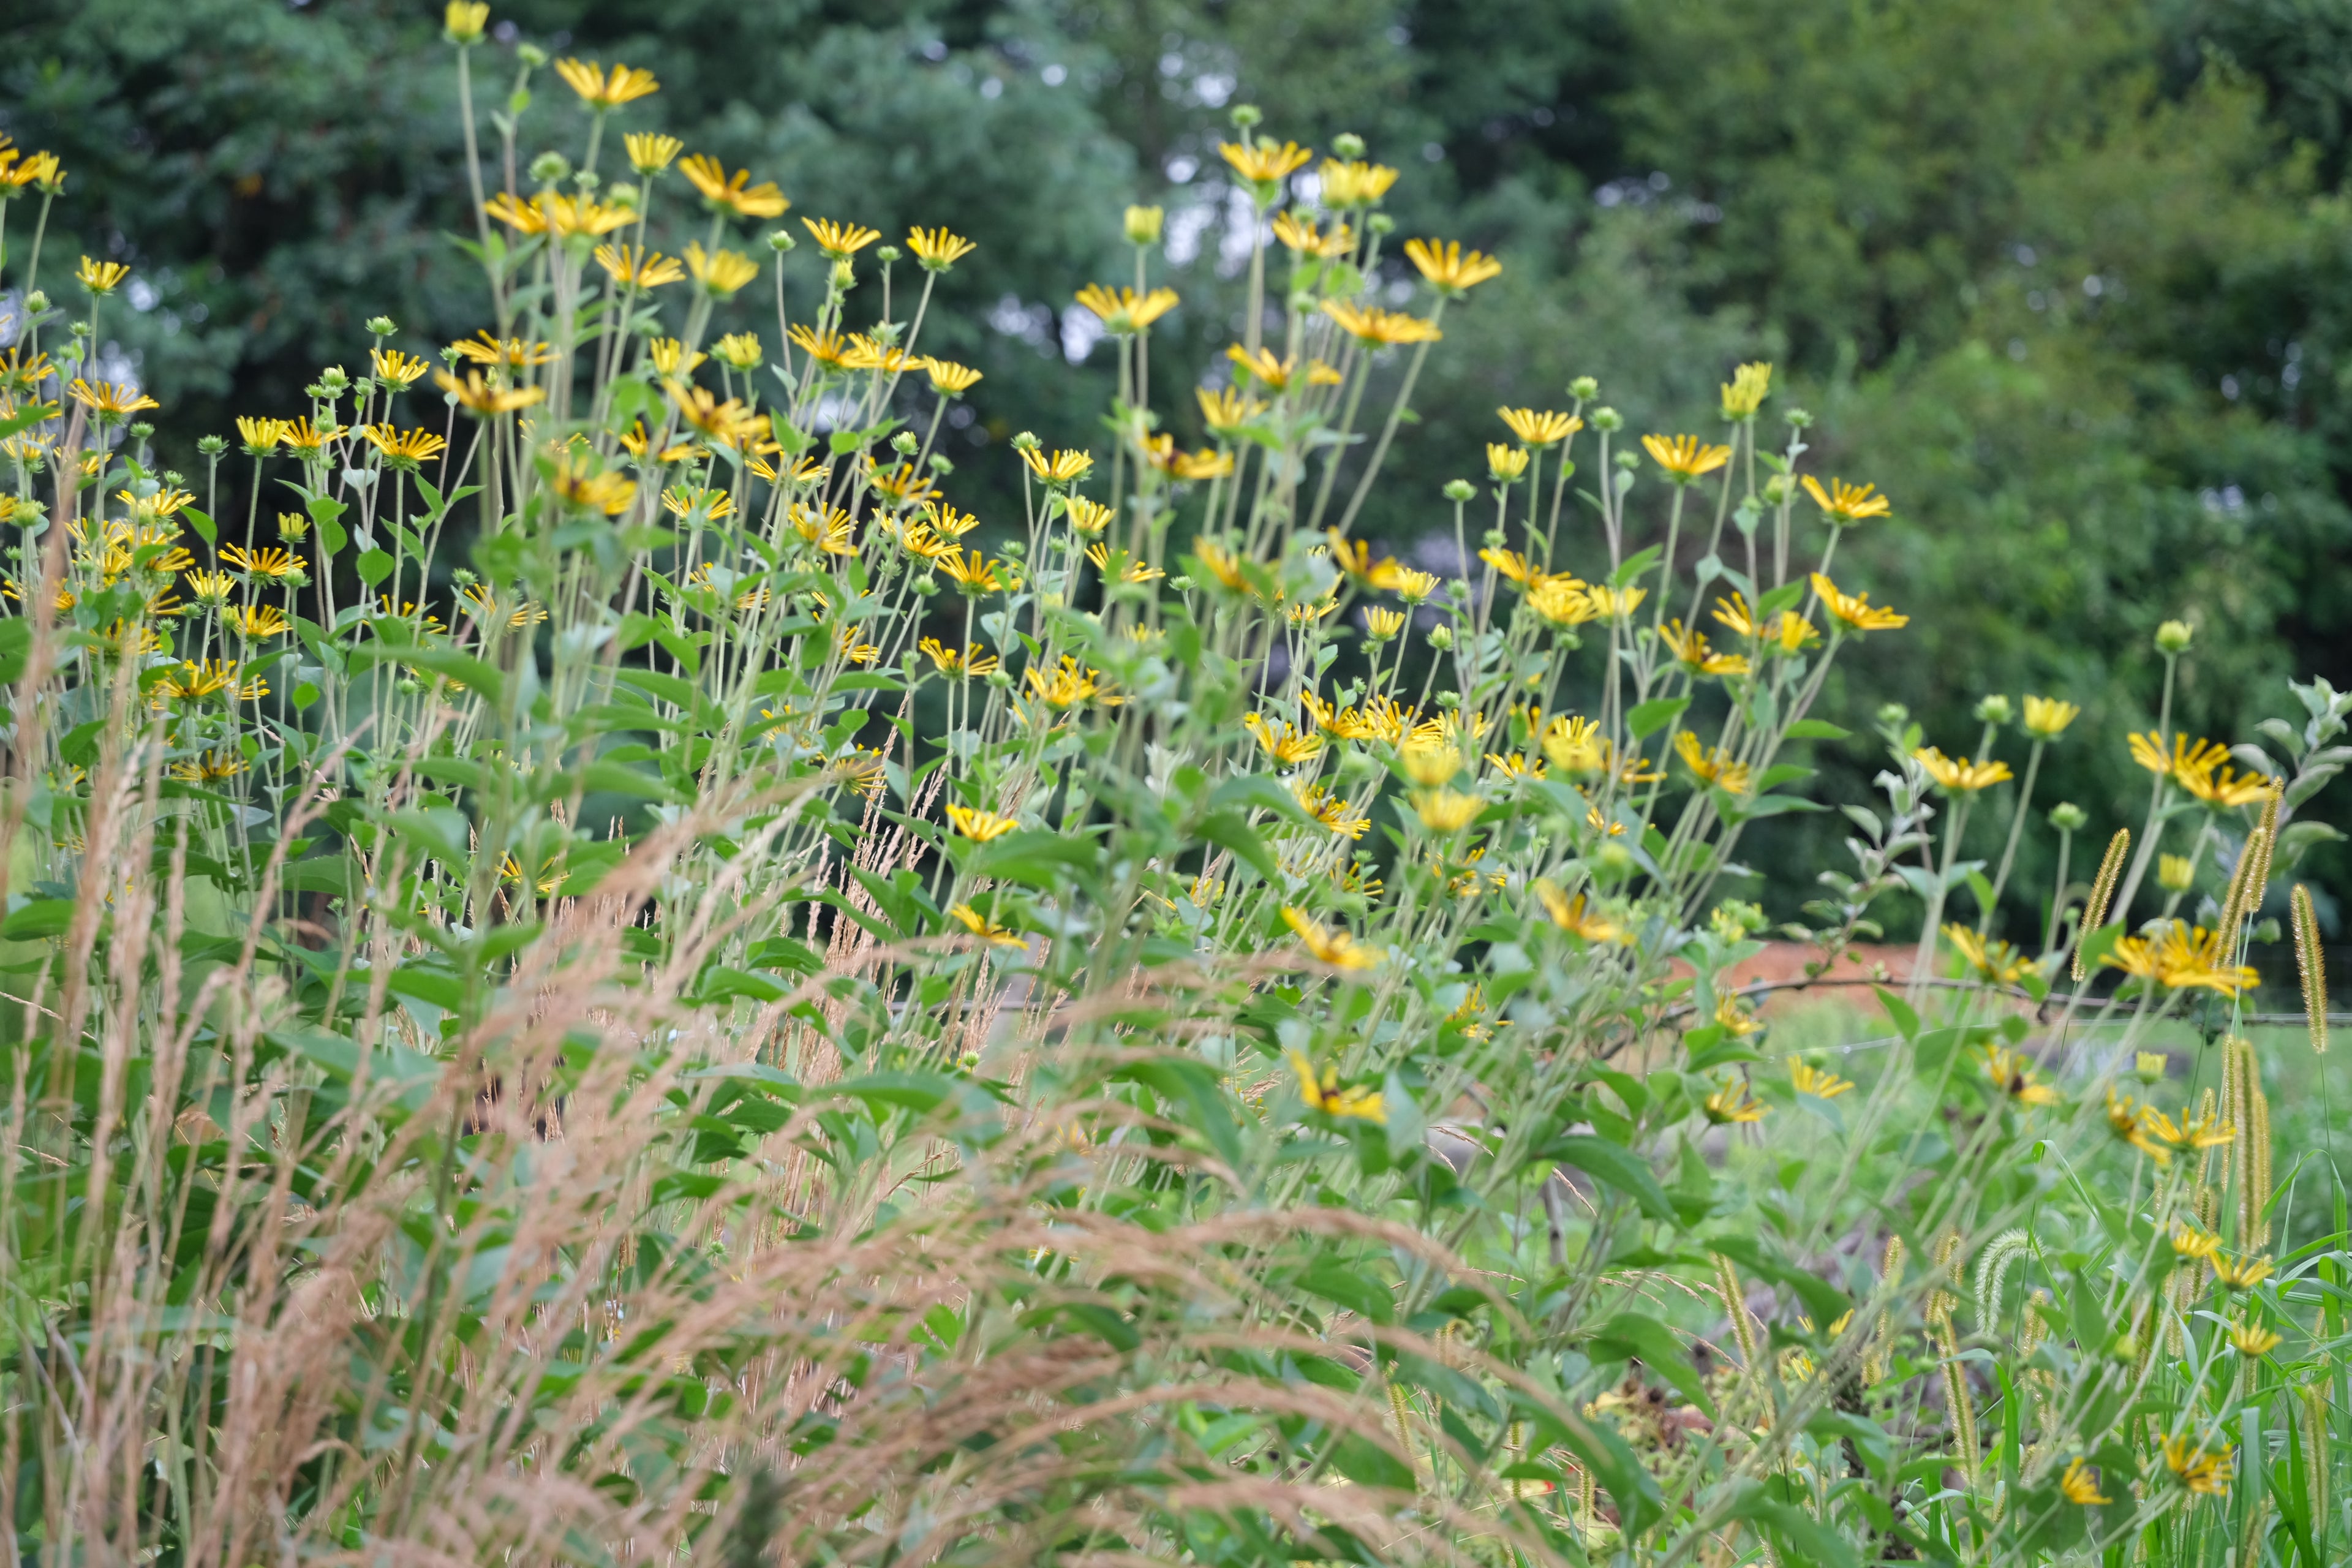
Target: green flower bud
1585, 388
1994, 709
2173, 637
2068, 818
1348, 145
550, 168
381, 326
1460, 490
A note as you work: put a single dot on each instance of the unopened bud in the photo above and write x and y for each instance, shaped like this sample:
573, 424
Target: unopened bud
1441, 637
1994, 709
2068, 818
530, 55
1245, 115
1585, 388
1460, 490
2173, 637
888, 253
905, 444
1143, 225
1348, 145
1608, 419
550, 168
780, 242
381, 326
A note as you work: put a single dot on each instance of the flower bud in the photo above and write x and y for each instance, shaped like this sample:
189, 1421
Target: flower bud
926, 587
1608, 419
1440, 638
780, 242
140, 430
1585, 388
37, 301
2149, 1067
550, 168
2175, 873
1893, 716
463, 22
1348, 145
1460, 490
1143, 225
381, 326
1245, 115
2068, 818
1799, 419
905, 444
1994, 709
530, 55
888, 253
212, 446
1025, 442
2173, 637
940, 464
1381, 223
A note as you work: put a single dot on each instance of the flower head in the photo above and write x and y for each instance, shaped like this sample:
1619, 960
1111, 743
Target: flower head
636, 268
1125, 313
1807, 1079
1376, 328
1450, 270
1262, 162
1575, 915
1352, 184
1730, 1104
462, 21
1326, 1094
1685, 457
403, 449
1300, 237
649, 151
2198, 1472
1856, 610
1544, 429
1845, 503
734, 194
101, 277
1994, 962
481, 397
2080, 1484
2252, 1340
1960, 775
979, 826
722, 272
111, 401
602, 90
1711, 764
840, 240
2046, 717
1750, 385
2241, 1273
1329, 944
936, 250
2011, 1073
2182, 957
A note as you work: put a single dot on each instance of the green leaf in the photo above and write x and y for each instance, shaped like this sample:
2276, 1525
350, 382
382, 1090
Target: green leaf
206, 530
1613, 1165
2099, 944
1816, 730
372, 566
1654, 715
1632, 1335
1229, 831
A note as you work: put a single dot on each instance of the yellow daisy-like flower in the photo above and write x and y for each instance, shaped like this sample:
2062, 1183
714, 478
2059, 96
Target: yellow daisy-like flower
2182, 957
602, 90
1575, 915
1125, 313
1731, 1105
2252, 1340
1262, 162
1329, 945
730, 423
1381, 625
979, 826
2241, 1273
840, 240
1116, 565
111, 400
2200, 1473
1326, 1096
649, 151
1691, 651
272, 562
395, 368
937, 250
1376, 328
1330, 810
2046, 717
973, 660
1996, 963
737, 194
1062, 468
636, 268
403, 449
1446, 810
476, 396
2012, 1074
1087, 517
101, 277
213, 766
1685, 457
1856, 610
1352, 184
1450, 270
1960, 775
722, 272
1750, 385
1845, 503
255, 622
503, 353
2080, 1485
1299, 237
1226, 410
1067, 686
977, 576
1544, 429
1278, 740
980, 926
950, 379
1806, 1079
1711, 764
2224, 788
462, 21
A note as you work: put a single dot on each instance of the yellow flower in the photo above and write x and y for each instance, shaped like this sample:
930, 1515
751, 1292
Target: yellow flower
255, 622
1961, 776
524, 217
2046, 717
1806, 1079
2175, 873
737, 194
729, 423
1376, 328
1541, 429
1446, 810
403, 449
271, 563
2011, 1073
979, 826
973, 660
2183, 957
2252, 1340
1995, 962
1856, 610
1685, 457
840, 240
101, 277
483, 605
1409, 583
2131, 1124
194, 682
1062, 468
1141, 224
1574, 916
1711, 764
2080, 1485
2192, 1133
1382, 624
829, 529
722, 272
510, 353
1731, 1104
1264, 164
1330, 810
936, 250
950, 379
1690, 650
563, 217
2190, 1243
1451, 270
1505, 463
980, 925
2241, 1273
636, 268
2198, 1472
1298, 236
1115, 563
1328, 1097
600, 90
1847, 503
208, 767
1750, 384
479, 397
462, 21
650, 152
2222, 787
1125, 313
111, 400
1355, 185
393, 368
1332, 946
1227, 409
1615, 603
685, 501
208, 587
1278, 740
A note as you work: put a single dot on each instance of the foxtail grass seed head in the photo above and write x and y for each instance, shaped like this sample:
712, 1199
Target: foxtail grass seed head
2310, 965
2103, 892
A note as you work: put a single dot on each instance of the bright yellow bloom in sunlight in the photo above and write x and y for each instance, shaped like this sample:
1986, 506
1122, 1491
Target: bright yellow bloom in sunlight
1995, 962
610, 493
1383, 625
1116, 565
840, 240
739, 350
2200, 1473
2182, 957
393, 368
1505, 463
950, 379
602, 90
977, 576
685, 501
508, 353
1960, 775
255, 622
1856, 610
1446, 810
2223, 788
1376, 328
1352, 184
101, 277
1575, 915
2241, 1273
1787, 631
1326, 1094
979, 826
937, 250
1061, 468
1125, 313
1330, 810
973, 660
1299, 237
2131, 1124
403, 449
1806, 1079
1264, 164
2011, 1071
111, 400
1450, 270
637, 268
722, 272
1750, 385
1562, 602
649, 151
730, 423
1846, 503
299, 436
1685, 457
2175, 873
1730, 1105
1711, 764
2046, 717
2192, 1133
1279, 741
1329, 945
2190, 1243
983, 927
271, 562
1543, 429
192, 681
1691, 651
738, 196
479, 397
2080, 1485
2252, 1340
212, 588
1615, 603
1067, 686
